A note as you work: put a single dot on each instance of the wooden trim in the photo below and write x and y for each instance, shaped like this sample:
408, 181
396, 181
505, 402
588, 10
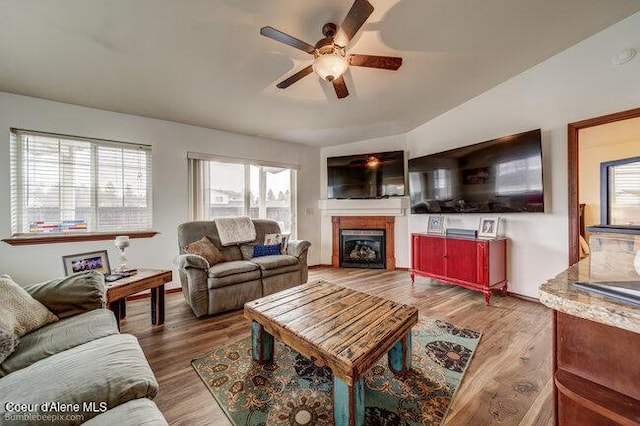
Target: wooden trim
614, 406
525, 298
365, 222
320, 265
72, 238
573, 178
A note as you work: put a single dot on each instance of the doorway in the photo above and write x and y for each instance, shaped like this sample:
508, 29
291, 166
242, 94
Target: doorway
573, 172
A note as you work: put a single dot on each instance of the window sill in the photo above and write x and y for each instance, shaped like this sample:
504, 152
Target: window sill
70, 238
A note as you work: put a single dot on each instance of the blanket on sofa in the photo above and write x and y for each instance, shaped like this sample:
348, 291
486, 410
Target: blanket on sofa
235, 230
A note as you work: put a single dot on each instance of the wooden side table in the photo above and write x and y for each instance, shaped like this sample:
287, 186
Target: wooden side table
145, 279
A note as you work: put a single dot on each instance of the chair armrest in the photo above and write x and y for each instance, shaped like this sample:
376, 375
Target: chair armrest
298, 248
185, 261
70, 295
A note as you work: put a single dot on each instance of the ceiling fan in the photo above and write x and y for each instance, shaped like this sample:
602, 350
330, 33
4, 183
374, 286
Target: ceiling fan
330, 57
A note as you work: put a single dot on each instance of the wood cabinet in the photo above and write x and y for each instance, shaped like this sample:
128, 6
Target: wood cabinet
472, 263
597, 375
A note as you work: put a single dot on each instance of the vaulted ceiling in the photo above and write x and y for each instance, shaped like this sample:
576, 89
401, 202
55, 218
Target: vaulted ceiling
203, 62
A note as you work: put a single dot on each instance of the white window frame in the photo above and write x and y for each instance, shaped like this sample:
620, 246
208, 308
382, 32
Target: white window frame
18, 203
193, 202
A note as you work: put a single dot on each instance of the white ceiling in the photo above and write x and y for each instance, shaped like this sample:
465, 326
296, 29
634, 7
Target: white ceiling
204, 62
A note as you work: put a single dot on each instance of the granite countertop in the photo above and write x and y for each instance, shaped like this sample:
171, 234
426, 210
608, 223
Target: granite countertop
558, 293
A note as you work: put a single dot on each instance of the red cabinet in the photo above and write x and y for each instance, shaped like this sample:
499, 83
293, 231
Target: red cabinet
468, 262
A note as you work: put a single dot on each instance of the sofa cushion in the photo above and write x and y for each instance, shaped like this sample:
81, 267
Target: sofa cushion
140, 412
274, 262
234, 279
231, 268
111, 370
260, 250
8, 343
60, 336
205, 248
71, 295
19, 312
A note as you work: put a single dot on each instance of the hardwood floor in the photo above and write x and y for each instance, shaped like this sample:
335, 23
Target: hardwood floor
508, 382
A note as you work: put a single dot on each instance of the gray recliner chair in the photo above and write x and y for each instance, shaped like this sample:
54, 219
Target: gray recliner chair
229, 285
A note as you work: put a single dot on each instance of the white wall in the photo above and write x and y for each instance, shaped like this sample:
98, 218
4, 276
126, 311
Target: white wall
576, 84
170, 142
390, 143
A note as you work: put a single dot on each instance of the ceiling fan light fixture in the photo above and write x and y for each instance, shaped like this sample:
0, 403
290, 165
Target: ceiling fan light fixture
330, 66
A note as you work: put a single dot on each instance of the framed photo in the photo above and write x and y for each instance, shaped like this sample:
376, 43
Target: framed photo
488, 227
435, 225
92, 261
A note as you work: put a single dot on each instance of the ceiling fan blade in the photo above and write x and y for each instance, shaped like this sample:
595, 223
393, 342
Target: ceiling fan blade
371, 61
355, 19
286, 39
340, 87
297, 76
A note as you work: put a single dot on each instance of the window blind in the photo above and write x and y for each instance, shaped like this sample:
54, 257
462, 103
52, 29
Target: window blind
63, 184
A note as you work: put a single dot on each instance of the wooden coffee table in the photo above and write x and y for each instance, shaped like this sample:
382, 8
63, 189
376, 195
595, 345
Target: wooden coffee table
346, 329
145, 279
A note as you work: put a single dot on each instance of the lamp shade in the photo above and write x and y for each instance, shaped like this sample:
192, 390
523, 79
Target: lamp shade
330, 66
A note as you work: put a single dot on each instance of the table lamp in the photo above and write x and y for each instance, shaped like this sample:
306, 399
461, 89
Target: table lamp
121, 243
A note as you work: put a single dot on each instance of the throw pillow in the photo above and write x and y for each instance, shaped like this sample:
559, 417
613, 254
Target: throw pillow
205, 248
19, 312
266, 250
280, 239
247, 251
8, 343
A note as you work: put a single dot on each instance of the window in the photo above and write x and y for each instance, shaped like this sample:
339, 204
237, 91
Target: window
62, 184
620, 192
227, 187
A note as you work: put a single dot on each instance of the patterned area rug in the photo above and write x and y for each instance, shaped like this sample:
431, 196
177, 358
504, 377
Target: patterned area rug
297, 391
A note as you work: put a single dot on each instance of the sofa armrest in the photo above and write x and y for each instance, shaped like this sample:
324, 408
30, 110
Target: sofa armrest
194, 271
298, 248
185, 261
70, 295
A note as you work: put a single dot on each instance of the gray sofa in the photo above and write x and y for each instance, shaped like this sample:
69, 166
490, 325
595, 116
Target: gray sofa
79, 359
229, 285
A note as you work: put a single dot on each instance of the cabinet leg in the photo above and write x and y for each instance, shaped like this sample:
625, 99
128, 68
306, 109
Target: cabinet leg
413, 278
503, 292
487, 296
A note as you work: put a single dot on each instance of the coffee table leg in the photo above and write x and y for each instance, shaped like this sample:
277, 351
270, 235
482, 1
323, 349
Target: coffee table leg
400, 355
348, 403
262, 344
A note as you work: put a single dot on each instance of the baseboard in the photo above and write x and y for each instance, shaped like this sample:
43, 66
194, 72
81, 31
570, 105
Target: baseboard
525, 298
331, 266
321, 265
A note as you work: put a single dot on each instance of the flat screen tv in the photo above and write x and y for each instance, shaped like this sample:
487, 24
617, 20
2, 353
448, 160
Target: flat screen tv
497, 176
375, 175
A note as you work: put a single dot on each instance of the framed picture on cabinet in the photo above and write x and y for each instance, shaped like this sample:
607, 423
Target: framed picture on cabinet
488, 227
435, 225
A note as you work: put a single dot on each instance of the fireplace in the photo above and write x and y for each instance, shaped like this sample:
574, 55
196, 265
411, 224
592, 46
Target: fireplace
362, 248
375, 233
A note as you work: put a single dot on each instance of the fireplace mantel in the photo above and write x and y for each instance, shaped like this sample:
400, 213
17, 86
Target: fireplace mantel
392, 206
368, 222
